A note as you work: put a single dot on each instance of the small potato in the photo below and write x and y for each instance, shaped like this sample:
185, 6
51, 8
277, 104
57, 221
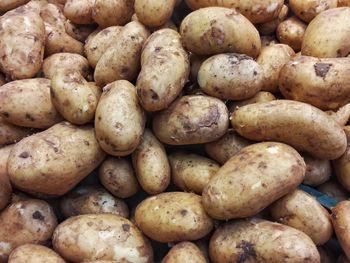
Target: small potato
230, 76
118, 177
306, 10
270, 27
79, 32
10, 133
341, 225
6, 5
28, 103
192, 172
184, 252
54, 161
31, 253
173, 216
261, 96
34, 218
250, 241
215, 30
104, 237
79, 11
151, 164
318, 171
291, 32
191, 120
334, 190
276, 121
154, 13
343, 3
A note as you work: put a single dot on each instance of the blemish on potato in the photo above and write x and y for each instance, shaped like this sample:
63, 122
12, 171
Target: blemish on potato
247, 253
37, 215
24, 155
321, 69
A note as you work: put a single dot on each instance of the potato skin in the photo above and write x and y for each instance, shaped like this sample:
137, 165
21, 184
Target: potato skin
10, 133
154, 13
64, 154
343, 3
184, 252
230, 33
191, 120
179, 216
30, 253
307, 10
318, 171
334, 190
5, 185
269, 28
261, 96
291, 32
341, 225
104, 237
79, 11
342, 165
250, 240
273, 121
7, 5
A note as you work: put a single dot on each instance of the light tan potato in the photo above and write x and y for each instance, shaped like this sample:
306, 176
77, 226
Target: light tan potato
178, 216
112, 12
261, 96
118, 177
342, 115
230, 76
5, 185
326, 255
122, 60
103, 237
334, 190
154, 13
192, 172
30, 253
27, 103
342, 165
151, 164
318, 171
54, 161
323, 40
191, 120
343, 3
59, 3
291, 32
215, 30
343, 259
4, 155
307, 10
184, 252
79, 32
251, 241
341, 225
270, 27
6, 5
25, 222
79, 11
10, 133
22, 34
119, 120
276, 121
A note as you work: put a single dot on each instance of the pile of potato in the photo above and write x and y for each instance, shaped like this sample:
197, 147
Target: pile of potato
140, 131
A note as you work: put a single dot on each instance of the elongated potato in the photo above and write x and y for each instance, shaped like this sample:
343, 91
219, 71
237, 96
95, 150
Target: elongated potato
79, 11
276, 121
250, 241
291, 32
334, 190
191, 120
10, 133
154, 13
104, 237
307, 10
119, 120
6, 5
318, 171
179, 216
31, 253
184, 252
215, 30
341, 225
54, 161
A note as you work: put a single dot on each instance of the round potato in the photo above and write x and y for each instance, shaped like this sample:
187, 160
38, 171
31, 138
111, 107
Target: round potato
102, 237
154, 13
10, 133
215, 30
334, 190
79, 11
30, 253
318, 171
6, 5
291, 32
306, 10
184, 252
178, 216
341, 225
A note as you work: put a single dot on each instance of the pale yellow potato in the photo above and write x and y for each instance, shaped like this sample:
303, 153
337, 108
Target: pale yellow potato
343, 3
334, 190
173, 216
215, 30
261, 96
54, 161
318, 171
10, 133
79, 11
270, 27
291, 32
184, 252
79, 32
30, 253
307, 10
154, 13
6, 5
341, 225
104, 237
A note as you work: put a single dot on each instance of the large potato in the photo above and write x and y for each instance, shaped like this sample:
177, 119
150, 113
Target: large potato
191, 120
308, 9
257, 240
54, 161
334, 190
215, 30
291, 32
154, 13
318, 171
104, 237
314, 131
6, 5
10, 133
31, 253
341, 225
173, 216
184, 252
79, 11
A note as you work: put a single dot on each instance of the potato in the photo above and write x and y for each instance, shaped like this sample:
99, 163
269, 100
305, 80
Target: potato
151, 164
192, 172
79, 32
334, 190
250, 241
343, 3
291, 32
54, 161
5, 185
341, 225
118, 177
276, 121
103, 237
184, 252
112, 12
191, 120
178, 216
4, 155
2, 79
307, 10
10, 133
261, 96
164, 72
342, 115
268, 40
22, 34
230, 76
342, 165
79, 11
196, 62
154, 13
122, 60
7, 5
215, 30
34, 218
342, 259
323, 40
27, 103
270, 27
318, 171
30, 253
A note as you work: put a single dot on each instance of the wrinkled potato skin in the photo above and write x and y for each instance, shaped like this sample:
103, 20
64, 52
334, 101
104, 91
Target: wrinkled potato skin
88, 237
318, 171
7, 5
342, 165
10, 133
323, 40
260, 174
79, 11
154, 13
261, 96
119, 119
31, 253
64, 153
231, 32
341, 225
184, 252
5, 185
247, 239
307, 10
273, 121
270, 27
35, 219
334, 190
27, 103
179, 216
192, 172
291, 32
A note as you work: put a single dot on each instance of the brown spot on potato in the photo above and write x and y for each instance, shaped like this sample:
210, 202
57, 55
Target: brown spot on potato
38, 216
126, 227
247, 253
321, 69
183, 212
218, 35
30, 117
24, 155
6, 114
